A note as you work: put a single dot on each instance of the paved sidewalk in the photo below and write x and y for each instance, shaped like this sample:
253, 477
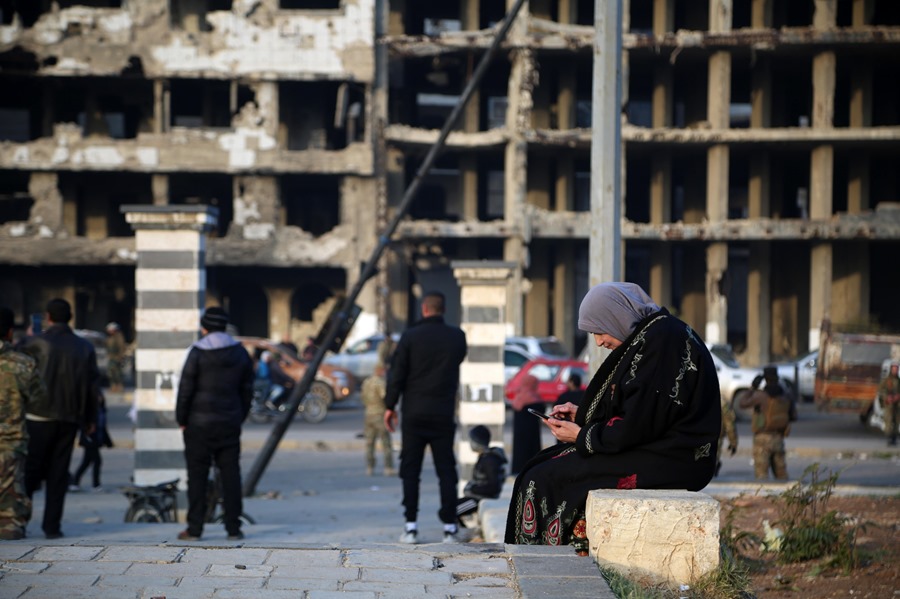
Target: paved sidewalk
170, 570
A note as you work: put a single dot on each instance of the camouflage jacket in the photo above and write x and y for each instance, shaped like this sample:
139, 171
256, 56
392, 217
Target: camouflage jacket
20, 384
372, 395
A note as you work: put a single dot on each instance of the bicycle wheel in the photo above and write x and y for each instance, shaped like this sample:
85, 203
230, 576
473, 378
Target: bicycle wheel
146, 509
313, 408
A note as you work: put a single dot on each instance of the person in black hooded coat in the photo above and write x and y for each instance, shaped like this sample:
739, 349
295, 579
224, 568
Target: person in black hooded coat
649, 419
214, 395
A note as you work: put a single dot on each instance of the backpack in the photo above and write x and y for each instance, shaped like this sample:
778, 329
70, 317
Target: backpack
775, 415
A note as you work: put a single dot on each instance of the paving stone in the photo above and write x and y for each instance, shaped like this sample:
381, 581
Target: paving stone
23, 567
138, 582
224, 556
59, 554
63, 568
388, 589
214, 582
422, 576
476, 564
299, 585
305, 558
333, 573
556, 566
341, 595
482, 581
153, 555
68, 580
406, 560
13, 550
472, 592
239, 594
242, 572
66, 592
167, 569
541, 587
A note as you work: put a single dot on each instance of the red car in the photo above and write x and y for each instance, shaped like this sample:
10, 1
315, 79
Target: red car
551, 375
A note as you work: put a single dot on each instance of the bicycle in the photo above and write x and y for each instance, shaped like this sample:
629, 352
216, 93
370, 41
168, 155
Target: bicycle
215, 510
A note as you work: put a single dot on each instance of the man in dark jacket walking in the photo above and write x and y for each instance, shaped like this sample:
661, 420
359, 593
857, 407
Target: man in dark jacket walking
425, 371
68, 365
214, 395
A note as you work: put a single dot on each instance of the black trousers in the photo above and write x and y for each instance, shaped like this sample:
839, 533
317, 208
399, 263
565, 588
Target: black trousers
90, 457
415, 439
202, 447
50, 445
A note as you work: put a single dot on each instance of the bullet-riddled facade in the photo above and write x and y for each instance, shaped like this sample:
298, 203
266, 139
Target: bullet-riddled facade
759, 193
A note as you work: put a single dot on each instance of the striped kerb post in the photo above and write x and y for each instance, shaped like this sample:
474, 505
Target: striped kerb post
170, 281
483, 292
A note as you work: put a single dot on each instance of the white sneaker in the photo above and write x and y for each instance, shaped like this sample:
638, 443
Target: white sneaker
451, 537
409, 537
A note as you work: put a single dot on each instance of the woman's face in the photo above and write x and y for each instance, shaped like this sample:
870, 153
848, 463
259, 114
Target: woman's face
606, 341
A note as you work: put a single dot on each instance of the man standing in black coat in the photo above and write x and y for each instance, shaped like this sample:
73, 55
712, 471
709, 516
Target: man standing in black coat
68, 365
214, 395
425, 371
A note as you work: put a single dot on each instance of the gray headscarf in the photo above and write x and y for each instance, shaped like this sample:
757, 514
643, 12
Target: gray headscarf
614, 309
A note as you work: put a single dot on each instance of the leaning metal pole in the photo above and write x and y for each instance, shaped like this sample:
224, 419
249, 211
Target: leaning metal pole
302, 387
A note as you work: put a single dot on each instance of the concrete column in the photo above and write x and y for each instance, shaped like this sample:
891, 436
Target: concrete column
661, 163
48, 211
279, 312
160, 112
468, 14
159, 188
170, 281
483, 290
761, 14
515, 212
821, 176
717, 159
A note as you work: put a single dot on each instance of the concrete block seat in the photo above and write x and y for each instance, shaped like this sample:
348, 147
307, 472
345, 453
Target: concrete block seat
654, 536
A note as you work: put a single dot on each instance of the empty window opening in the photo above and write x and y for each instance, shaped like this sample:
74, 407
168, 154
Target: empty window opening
205, 189
792, 14
15, 201
740, 109
886, 93
441, 195
691, 15
789, 192
641, 16
248, 307
18, 61
637, 187
791, 101
7, 10
320, 115
311, 202
689, 96
200, 103
97, 199
886, 13
309, 296
741, 14
21, 113
190, 15
490, 13
118, 109
738, 184
309, 4
431, 18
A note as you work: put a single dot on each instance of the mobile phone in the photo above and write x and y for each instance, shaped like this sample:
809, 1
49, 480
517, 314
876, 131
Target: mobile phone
539, 414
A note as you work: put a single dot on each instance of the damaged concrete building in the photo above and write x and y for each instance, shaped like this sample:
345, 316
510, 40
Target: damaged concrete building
759, 194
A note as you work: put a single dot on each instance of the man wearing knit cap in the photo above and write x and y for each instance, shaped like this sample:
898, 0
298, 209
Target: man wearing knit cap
214, 395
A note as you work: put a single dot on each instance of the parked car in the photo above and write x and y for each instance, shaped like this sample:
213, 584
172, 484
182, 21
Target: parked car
360, 358
801, 374
540, 347
734, 380
514, 357
331, 382
552, 376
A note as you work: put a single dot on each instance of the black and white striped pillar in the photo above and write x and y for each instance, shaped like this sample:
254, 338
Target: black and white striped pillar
170, 281
483, 291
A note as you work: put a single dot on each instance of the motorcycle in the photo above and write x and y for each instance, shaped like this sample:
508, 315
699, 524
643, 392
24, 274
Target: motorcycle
269, 402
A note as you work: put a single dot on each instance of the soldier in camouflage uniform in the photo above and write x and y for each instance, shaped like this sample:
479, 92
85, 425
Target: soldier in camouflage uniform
20, 383
773, 411
115, 353
728, 431
372, 394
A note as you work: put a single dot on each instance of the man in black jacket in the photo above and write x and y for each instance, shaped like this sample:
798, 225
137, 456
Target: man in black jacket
214, 395
68, 365
425, 371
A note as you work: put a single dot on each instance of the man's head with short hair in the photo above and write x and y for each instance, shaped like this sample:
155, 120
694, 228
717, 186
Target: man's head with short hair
574, 381
7, 319
433, 303
59, 311
770, 373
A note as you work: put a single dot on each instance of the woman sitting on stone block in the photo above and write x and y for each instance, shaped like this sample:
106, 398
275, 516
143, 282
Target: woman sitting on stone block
649, 419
